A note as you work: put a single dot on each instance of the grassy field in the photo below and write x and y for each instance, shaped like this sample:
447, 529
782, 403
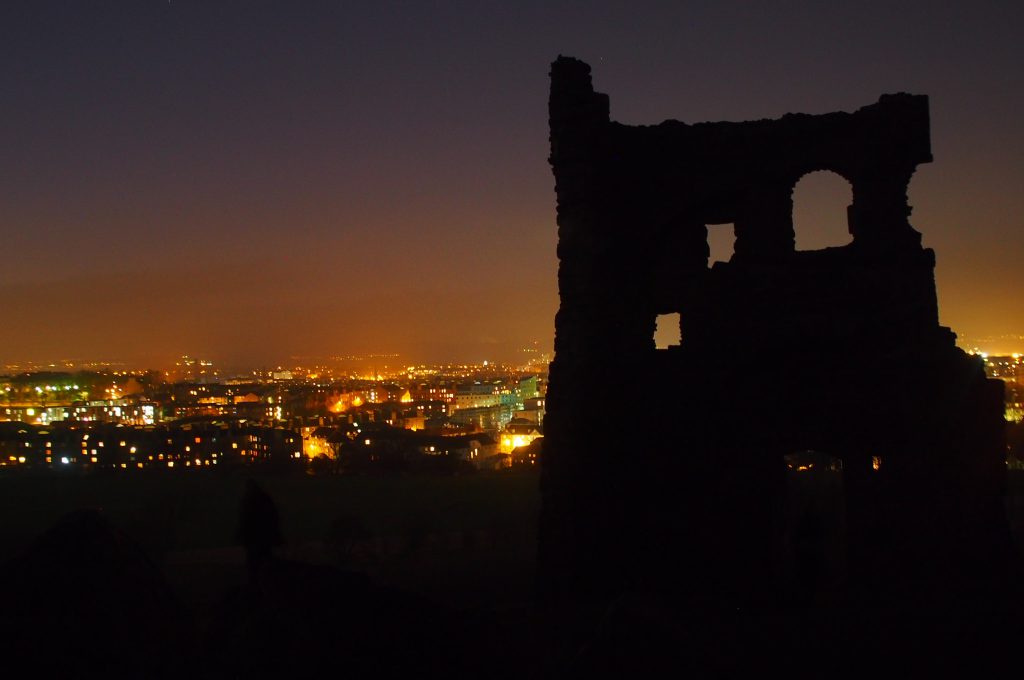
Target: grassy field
467, 540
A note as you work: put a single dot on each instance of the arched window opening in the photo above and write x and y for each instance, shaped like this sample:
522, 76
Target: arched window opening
721, 242
820, 200
667, 331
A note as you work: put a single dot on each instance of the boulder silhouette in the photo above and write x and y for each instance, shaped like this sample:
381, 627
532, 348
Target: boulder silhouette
84, 599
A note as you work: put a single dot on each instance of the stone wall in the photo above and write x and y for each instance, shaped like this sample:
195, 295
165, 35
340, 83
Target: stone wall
837, 351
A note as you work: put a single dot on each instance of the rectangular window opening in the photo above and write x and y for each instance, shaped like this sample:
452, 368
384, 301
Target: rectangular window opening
667, 331
721, 242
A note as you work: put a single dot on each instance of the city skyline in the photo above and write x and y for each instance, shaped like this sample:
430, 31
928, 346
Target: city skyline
347, 364
254, 181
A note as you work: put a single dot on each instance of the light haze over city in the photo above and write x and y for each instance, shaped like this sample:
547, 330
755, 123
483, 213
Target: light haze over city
255, 182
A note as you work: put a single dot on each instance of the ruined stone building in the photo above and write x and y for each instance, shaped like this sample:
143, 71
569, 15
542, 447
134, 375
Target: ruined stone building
836, 351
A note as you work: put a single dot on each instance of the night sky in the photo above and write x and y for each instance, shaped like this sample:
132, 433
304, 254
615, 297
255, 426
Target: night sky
266, 182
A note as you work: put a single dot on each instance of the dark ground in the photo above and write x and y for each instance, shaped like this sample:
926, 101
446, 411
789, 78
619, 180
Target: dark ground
393, 576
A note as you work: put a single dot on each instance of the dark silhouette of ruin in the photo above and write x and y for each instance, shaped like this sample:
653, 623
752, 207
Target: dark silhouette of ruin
837, 352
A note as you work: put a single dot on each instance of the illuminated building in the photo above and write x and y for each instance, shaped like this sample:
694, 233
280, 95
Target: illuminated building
518, 433
476, 395
487, 418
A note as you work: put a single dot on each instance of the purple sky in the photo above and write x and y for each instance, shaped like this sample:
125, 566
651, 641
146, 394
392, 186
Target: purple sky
253, 181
